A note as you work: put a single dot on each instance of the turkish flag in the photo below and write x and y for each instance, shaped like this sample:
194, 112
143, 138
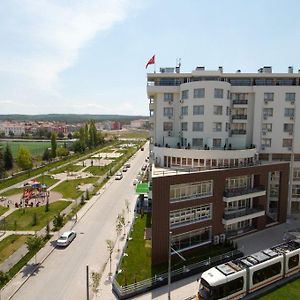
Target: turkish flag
151, 61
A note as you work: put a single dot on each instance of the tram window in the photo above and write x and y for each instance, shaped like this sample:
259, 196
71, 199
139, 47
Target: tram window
228, 288
293, 261
267, 272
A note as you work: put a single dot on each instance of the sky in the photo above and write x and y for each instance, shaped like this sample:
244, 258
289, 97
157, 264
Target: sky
89, 56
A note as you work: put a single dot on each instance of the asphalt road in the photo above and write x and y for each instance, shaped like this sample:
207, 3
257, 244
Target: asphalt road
62, 275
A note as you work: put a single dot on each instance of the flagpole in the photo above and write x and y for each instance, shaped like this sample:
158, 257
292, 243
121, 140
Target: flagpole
154, 67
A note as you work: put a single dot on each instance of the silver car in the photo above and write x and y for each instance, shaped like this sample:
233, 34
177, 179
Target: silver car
66, 238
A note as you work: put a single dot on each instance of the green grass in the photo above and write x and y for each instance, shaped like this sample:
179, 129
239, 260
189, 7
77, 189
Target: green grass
68, 187
3, 210
99, 171
12, 192
289, 291
23, 217
11, 244
36, 148
46, 179
68, 168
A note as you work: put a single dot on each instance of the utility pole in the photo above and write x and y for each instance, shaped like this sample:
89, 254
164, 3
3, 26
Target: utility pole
87, 283
169, 266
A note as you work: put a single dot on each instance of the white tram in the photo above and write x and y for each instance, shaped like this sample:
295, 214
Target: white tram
237, 278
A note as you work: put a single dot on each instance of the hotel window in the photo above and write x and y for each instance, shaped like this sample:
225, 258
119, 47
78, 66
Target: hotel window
289, 112
184, 94
296, 175
199, 93
191, 239
217, 143
217, 126
290, 96
238, 182
267, 127
190, 215
197, 126
168, 126
168, 111
168, 96
218, 109
268, 112
287, 142
269, 96
287, 127
189, 191
198, 110
218, 93
184, 110
197, 142
184, 126
266, 142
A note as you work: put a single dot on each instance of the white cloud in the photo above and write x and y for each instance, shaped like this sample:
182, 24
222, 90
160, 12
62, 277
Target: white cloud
52, 33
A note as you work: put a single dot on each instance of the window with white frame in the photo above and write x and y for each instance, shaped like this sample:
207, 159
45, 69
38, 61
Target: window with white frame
288, 127
185, 94
218, 109
168, 126
190, 215
168, 97
296, 175
217, 126
287, 142
199, 93
198, 110
192, 190
191, 239
289, 112
267, 127
218, 93
290, 96
197, 142
238, 182
184, 110
268, 111
268, 96
266, 142
217, 143
168, 111
197, 126
184, 126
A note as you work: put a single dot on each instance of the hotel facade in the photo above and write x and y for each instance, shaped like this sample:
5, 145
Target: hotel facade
225, 157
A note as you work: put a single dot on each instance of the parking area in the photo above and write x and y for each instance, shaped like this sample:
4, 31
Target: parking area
266, 238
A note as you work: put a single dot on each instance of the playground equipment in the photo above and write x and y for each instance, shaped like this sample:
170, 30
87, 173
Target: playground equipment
33, 190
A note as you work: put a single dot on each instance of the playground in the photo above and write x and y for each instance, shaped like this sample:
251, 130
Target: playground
34, 194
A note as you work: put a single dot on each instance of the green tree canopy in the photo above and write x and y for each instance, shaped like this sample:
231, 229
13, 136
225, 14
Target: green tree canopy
8, 158
24, 159
2, 169
53, 145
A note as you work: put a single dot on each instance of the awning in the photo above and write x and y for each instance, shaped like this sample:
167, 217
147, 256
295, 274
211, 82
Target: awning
142, 188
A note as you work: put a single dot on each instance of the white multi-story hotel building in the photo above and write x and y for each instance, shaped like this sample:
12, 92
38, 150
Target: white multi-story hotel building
241, 127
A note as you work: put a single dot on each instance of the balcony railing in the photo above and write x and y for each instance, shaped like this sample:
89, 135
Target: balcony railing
236, 232
243, 191
164, 83
239, 117
237, 101
242, 212
238, 131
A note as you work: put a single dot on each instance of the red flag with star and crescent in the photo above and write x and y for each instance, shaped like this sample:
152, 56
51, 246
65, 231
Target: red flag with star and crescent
151, 61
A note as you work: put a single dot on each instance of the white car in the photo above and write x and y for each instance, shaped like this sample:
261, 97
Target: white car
66, 238
119, 176
135, 181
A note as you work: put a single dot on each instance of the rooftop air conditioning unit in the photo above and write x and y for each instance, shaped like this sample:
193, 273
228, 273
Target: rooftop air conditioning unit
170, 102
262, 147
291, 118
292, 102
181, 101
266, 101
290, 148
265, 117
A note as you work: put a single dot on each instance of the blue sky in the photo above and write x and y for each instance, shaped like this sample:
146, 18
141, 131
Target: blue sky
89, 56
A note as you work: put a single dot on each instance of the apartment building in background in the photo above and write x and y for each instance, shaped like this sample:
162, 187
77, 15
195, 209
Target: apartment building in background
225, 154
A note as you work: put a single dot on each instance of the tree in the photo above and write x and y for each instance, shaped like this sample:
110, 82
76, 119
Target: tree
121, 218
70, 136
110, 249
96, 277
92, 134
24, 159
2, 168
87, 194
60, 135
86, 134
34, 243
46, 155
78, 147
61, 151
127, 204
53, 145
118, 231
58, 221
82, 199
8, 158
47, 229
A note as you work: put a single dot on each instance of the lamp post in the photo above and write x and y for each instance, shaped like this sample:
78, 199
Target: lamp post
169, 266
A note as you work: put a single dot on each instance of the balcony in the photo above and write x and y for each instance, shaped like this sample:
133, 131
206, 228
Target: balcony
240, 231
243, 193
238, 131
242, 215
239, 103
239, 117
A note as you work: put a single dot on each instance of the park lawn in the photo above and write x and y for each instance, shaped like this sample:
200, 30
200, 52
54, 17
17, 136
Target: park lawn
11, 244
12, 192
24, 216
99, 171
3, 210
46, 179
68, 168
289, 291
68, 188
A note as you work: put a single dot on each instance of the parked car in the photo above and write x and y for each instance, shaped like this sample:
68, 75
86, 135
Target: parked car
127, 166
142, 149
66, 238
124, 169
119, 176
135, 181
144, 167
